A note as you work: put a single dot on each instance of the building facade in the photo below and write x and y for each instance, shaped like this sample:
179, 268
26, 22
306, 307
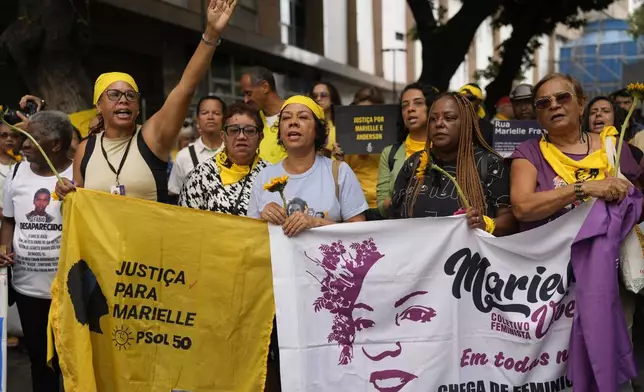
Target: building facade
487, 40
301, 41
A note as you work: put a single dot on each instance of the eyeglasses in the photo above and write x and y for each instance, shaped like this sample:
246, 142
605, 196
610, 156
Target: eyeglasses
247, 130
115, 95
562, 98
321, 95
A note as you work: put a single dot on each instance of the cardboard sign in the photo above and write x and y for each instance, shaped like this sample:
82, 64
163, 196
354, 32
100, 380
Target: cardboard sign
509, 134
365, 129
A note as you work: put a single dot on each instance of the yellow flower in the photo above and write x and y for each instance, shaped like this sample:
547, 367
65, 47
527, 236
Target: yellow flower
276, 184
54, 195
16, 157
422, 165
636, 90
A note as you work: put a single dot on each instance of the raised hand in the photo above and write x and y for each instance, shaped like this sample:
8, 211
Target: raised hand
219, 13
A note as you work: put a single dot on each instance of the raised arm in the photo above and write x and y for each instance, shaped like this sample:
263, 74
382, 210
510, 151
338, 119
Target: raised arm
162, 129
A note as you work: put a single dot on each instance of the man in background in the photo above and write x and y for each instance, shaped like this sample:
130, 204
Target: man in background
521, 98
258, 87
504, 111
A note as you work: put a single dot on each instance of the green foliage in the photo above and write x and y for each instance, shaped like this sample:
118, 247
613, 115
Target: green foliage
636, 22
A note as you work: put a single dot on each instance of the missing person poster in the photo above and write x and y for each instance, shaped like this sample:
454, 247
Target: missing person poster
365, 129
509, 134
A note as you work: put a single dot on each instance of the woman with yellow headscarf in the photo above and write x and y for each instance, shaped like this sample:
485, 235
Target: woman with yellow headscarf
318, 191
123, 159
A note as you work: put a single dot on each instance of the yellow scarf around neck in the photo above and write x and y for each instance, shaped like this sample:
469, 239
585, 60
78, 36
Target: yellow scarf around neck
592, 167
229, 172
412, 146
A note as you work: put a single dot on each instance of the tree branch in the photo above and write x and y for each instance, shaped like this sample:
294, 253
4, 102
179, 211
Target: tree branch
424, 16
447, 45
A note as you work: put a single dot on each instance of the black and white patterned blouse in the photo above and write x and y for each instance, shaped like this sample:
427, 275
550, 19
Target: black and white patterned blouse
205, 191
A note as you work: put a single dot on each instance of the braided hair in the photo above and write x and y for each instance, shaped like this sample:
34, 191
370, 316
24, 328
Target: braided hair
467, 174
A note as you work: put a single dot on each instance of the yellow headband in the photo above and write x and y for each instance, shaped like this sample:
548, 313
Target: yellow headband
104, 81
306, 101
475, 91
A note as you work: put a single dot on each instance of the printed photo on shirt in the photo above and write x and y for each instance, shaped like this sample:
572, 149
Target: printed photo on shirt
42, 198
298, 205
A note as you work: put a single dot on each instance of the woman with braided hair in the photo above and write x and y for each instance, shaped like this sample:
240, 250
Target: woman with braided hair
456, 145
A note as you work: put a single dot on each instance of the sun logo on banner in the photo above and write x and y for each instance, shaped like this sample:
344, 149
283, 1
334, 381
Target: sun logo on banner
121, 337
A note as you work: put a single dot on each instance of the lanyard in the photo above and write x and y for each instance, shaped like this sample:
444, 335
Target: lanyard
127, 150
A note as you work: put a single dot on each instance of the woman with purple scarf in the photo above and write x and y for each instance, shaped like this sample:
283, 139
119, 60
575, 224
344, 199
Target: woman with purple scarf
551, 176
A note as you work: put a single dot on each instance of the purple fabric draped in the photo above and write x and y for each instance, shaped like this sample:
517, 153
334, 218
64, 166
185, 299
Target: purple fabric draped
601, 354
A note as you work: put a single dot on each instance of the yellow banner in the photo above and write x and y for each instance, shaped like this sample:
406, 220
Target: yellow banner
151, 297
82, 119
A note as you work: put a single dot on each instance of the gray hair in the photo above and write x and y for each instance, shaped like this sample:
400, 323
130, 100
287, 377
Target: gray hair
56, 125
261, 74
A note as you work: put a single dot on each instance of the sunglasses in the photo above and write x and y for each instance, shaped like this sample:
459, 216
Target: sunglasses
562, 98
115, 95
247, 130
320, 95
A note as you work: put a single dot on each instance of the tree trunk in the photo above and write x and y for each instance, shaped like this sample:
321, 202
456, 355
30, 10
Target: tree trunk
445, 47
513, 54
45, 45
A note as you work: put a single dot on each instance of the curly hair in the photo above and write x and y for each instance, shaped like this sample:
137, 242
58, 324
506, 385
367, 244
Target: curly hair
241, 108
429, 92
619, 116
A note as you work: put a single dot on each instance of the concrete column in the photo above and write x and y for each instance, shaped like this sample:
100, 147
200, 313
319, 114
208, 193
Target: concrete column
411, 48
268, 12
377, 37
353, 55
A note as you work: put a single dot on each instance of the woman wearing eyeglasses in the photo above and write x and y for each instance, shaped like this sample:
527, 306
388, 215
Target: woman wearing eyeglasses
123, 159
551, 176
223, 183
327, 96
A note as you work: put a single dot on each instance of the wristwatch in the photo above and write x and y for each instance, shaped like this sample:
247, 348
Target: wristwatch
579, 193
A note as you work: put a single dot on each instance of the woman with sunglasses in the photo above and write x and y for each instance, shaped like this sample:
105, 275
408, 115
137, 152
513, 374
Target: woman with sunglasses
223, 183
327, 96
551, 176
123, 159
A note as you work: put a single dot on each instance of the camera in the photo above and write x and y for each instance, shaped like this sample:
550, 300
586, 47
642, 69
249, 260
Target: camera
12, 118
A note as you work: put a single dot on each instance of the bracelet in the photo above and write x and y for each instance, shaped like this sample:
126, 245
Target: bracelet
579, 193
215, 44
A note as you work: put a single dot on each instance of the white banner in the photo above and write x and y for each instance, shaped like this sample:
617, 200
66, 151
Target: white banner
424, 305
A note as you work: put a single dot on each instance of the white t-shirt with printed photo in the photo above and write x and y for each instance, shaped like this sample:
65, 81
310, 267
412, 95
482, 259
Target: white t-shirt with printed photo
312, 191
38, 229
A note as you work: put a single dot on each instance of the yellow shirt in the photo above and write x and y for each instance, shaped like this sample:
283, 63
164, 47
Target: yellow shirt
412, 146
269, 150
366, 169
331, 138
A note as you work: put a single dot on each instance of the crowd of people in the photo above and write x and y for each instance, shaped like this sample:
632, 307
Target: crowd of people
225, 162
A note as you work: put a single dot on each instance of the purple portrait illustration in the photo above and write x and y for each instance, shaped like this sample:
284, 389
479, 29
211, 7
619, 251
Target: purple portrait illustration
359, 308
